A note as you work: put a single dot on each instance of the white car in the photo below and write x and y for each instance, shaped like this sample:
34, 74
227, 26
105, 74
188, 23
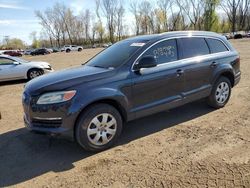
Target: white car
69, 48
13, 68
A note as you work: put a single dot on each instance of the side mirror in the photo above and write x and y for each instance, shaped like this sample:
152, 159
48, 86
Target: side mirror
145, 62
16, 63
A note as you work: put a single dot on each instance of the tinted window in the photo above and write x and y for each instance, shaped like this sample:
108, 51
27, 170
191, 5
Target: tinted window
164, 52
216, 46
5, 61
192, 47
116, 54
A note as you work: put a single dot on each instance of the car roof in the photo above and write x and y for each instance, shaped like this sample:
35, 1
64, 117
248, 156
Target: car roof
155, 37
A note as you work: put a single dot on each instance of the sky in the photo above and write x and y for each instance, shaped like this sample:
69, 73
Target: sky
18, 20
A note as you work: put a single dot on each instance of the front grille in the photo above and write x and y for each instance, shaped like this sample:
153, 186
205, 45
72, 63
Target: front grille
43, 123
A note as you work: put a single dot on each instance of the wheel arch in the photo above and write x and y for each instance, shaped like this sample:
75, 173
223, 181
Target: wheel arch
114, 103
228, 73
33, 68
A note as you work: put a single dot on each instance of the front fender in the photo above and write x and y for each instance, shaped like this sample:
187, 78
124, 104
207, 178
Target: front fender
81, 101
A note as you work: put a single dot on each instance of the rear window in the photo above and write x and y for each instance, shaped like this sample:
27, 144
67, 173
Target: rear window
216, 46
192, 47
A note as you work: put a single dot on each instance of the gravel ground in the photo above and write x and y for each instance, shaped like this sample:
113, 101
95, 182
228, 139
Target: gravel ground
190, 146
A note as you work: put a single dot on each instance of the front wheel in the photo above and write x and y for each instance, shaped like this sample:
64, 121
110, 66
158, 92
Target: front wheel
33, 73
98, 127
220, 93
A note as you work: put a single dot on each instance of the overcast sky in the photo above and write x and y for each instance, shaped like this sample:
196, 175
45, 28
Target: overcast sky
17, 18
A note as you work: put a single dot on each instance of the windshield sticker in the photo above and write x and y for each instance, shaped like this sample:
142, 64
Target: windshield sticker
138, 44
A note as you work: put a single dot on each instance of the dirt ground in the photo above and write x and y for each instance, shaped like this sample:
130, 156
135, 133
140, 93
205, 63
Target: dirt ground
190, 146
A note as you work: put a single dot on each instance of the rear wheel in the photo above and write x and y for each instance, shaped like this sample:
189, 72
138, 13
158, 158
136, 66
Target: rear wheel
79, 49
98, 127
220, 93
33, 73
68, 50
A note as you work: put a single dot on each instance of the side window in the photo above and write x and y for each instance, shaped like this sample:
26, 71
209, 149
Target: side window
192, 47
164, 52
216, 46
5, 61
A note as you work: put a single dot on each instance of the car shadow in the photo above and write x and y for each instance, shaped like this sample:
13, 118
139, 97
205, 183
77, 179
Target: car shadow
24, 155
5, 83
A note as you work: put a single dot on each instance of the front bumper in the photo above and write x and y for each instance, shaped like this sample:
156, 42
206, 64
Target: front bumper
46, 71
50, 119
44, 127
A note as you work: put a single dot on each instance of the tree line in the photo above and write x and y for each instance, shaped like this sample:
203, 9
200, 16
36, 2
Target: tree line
106, 23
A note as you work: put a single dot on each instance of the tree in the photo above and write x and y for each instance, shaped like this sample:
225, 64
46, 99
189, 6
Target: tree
109, 8
137, 15
120, 15
85, 16
99, 27
243, 13
210, 17
164, 6
194, 9
35, 41
230, 7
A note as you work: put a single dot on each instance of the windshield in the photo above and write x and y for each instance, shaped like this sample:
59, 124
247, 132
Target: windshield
116, 54
20, 60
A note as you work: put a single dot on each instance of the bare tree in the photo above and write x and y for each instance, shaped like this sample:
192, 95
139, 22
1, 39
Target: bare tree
146, 17
99, 25
194, 10
120, 16
230, 7
165, 6
86, 16
109, 8
243, 13
134, 9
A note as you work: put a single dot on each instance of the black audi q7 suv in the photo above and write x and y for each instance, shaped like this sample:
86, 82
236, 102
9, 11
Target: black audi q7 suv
133, 78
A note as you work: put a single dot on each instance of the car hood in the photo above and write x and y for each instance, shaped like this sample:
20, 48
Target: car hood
39, 63
64, 79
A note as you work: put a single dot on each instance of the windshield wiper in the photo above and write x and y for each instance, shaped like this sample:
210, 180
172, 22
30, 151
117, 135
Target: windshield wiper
98, 66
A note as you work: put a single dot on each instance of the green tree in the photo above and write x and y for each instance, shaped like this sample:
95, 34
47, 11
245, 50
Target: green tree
211, 19
35, 41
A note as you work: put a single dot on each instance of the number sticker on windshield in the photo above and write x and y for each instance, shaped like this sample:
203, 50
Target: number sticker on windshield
138, 44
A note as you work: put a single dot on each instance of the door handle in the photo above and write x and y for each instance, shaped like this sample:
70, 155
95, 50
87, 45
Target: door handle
213, 65
179, 72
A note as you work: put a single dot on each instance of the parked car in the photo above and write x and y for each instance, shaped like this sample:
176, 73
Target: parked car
27, 52
238, 36
55, 50
13, 53
50, 50
69, 48
13, 68
131, 79
227, 35
106, 45
41, 51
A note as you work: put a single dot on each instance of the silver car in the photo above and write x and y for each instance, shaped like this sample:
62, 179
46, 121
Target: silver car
13, 68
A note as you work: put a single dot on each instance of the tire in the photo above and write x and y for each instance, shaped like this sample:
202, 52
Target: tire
68, 50
33, 73
79, 49
221, 93
93, 133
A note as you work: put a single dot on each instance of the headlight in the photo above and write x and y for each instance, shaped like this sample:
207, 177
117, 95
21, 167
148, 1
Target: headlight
56, 97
